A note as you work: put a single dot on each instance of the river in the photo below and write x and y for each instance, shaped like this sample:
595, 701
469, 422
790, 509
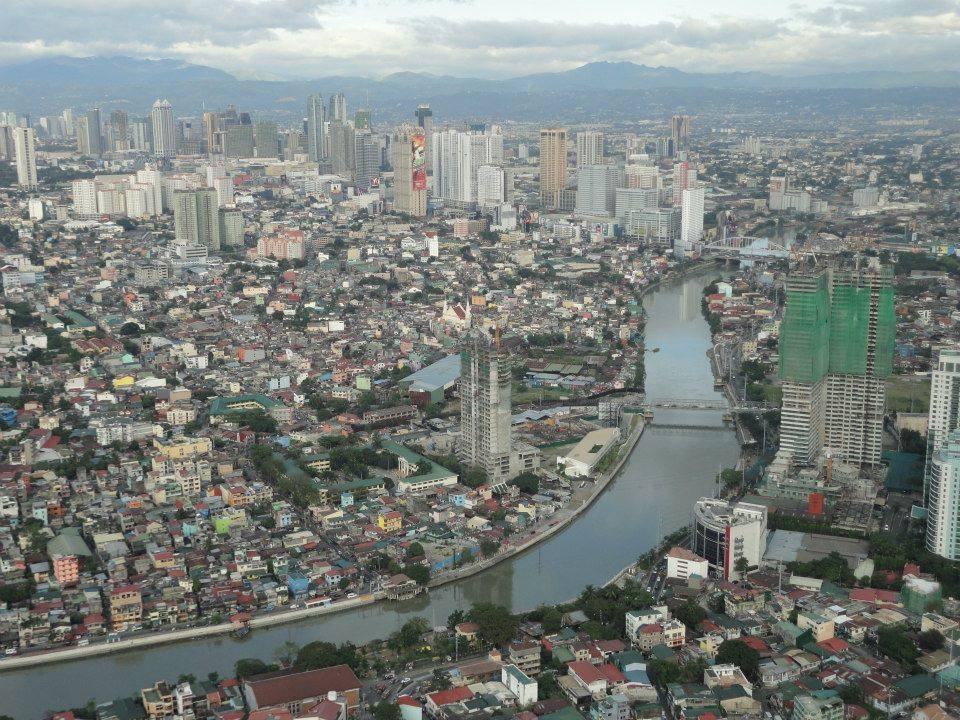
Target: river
653, 495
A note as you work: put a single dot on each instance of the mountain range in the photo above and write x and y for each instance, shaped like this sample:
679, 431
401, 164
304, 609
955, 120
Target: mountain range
49, 84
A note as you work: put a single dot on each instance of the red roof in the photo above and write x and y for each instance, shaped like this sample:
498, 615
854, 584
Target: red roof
281, 689
587, 672
872, 595
834, 645
407, 700
453, 695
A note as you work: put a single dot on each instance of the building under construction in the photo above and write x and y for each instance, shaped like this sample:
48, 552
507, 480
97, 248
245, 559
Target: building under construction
836, 349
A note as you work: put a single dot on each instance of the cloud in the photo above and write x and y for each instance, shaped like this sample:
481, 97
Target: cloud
313, 38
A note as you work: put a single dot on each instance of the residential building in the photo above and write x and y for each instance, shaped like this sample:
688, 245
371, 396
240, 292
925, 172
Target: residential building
589, 149
164, 129
597, 189
942, 491
683, 564
294, 691
409, 172
680, 127
316, 132
691, 219
818, 705
196, 217
553, 166
24, 143
520, 684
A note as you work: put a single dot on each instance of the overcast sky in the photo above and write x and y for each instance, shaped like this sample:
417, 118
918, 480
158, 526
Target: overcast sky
491, 38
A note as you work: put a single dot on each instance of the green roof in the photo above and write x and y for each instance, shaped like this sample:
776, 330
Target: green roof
223, 405
565, 713
68, 542
916, 685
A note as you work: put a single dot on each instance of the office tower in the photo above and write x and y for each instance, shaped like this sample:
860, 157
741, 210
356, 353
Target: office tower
267, 140
25, 150
316, 118
632, 199
866, 198
484, 388
196, 217
691, 218
597, 189
943, 498
342, 142
120, 131
338, 107
239, 142
68, 123
553, 166
164, 130
366, 159
141, 135
363, 119
7, 149
409, 172
94, 138
680, 126
726, 531
684, 178
589, 148
836, 349
231, 228
424, 116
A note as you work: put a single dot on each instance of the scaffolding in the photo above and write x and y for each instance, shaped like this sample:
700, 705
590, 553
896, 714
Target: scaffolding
805, 331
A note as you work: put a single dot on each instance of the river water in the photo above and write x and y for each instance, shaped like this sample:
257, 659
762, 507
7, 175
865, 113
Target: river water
653, 495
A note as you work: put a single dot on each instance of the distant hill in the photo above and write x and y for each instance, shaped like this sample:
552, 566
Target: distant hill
117, 70
593, 91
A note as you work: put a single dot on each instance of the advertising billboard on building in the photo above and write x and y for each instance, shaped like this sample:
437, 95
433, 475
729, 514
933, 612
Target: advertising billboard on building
419, 149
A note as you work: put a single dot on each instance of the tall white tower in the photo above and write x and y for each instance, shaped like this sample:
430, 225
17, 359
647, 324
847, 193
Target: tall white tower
589, 148
26, 153
164, 131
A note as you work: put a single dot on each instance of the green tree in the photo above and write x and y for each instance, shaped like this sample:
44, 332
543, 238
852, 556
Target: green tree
384, 710
691, 615
415, 550
419, 573
930, 640
527, 482
740, 654
496, 625
321, 654
852, 694
247, 667
474, 477
455, 618
551, 620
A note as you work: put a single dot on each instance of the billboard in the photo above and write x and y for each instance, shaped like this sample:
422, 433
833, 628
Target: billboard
419, 149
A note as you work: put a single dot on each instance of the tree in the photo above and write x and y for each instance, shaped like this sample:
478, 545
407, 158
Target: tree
496, 625
930, 640
455, 618
384, 710
740, 654
741, 566
248, 667
415, 550
489, 548
408, 635
690, 614
320, 654
419, 573
852, 694
527, 482
474, 477
286, 654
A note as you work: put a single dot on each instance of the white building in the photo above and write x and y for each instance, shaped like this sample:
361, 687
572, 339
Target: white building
597, 189
682, 564
24, 143
164, 130
943, 498
691, 218
84, 198
519, 684
589, 148
582, 460
725, 532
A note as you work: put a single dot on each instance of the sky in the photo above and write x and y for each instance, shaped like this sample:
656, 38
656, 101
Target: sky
302, 39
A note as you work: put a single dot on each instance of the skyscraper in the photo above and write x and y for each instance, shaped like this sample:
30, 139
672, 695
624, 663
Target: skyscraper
457, 158
553, 166
943, 526
943, 499
597, 189
680, 126
164, 130
424, 117
316, 117
691, 218
485, 407
338, 107
26, 154
405, 144
88, 133
363, 119
120, 131
213, 133
589, 148
239, 141
196, 217
342, 139
267, 140
836, 349
366, 159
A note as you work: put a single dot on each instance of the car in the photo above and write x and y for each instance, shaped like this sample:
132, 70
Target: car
10, 651
406, 681
351, 596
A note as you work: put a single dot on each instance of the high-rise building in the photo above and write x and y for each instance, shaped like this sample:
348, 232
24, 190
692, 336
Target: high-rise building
424, 117
213, 133
589, 148
164, 129
680, 127
457, 159
691, 218
24, 144
944, 414
267, 140
119, 131
196, 217
316, 119
338, 107
239, 141
597, 189
485, 417
942, 491
366, 159
553, 166
231, 228
836, 349
88, 133
343, 142
494, 185
363, 119
68, 124
7, 149
409, 195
